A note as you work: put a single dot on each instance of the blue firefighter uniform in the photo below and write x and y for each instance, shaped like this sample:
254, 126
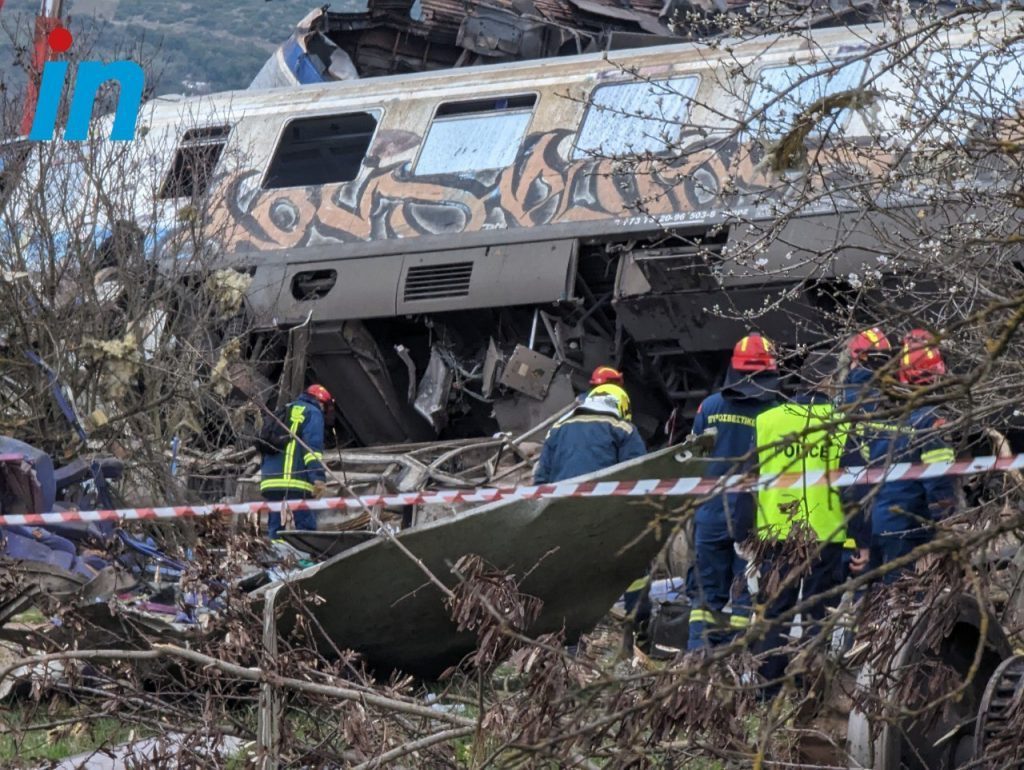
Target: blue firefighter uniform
860, 398
586, 442
292, 474
860, 393
727, 518
902, 511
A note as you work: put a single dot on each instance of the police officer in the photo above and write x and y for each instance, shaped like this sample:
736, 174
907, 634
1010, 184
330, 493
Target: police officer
297, 472
902, 512
719, 573
803, 436
596, 434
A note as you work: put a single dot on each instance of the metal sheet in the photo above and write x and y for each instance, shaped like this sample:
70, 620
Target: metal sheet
518, 413
323, 544
345, 358
576, 555
432, 396
529, 372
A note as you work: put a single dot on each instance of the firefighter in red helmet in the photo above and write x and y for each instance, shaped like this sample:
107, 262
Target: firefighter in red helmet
869, 351
293, 443
719, 573
903, 513
921, 360
606, 375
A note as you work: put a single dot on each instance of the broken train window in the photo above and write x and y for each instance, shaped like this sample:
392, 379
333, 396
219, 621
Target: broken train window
323, 150
780, 94
477, 135
194, 162
625, 119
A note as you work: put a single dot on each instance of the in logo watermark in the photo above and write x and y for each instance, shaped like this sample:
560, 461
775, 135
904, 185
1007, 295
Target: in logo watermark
89, 77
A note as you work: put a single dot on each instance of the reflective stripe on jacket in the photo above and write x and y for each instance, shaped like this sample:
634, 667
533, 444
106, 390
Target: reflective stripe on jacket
905, 505
584, 443
300, 465
798, 438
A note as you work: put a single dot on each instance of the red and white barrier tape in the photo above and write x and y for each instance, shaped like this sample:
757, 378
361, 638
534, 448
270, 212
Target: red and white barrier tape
680, 487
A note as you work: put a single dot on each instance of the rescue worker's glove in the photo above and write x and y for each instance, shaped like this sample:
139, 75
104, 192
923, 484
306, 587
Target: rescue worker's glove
319, 488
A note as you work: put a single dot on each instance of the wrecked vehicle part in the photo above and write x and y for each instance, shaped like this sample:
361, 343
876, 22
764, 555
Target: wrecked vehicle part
386, 38
324, 545
474, 199
943, 736
517, 412
306, 57
576, 555
997, 731
348, 362
432, 396
529, 372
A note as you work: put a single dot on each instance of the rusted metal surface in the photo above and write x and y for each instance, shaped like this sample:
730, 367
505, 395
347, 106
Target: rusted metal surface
576, 555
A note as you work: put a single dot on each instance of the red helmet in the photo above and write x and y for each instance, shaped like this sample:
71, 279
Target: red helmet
320, 393
606, 375
920, 360
754, 353
867, 342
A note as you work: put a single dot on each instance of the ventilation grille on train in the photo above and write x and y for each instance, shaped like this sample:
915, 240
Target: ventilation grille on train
438, 281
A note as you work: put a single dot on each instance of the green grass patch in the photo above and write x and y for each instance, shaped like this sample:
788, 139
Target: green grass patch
27, 738
31, 617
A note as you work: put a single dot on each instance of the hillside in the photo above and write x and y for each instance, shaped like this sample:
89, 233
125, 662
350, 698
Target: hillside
186, 45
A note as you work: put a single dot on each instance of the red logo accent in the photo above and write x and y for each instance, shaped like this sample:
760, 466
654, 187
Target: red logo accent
60, 40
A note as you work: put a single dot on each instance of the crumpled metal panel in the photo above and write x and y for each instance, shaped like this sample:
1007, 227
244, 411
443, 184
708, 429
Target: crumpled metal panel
432, 397
576, 554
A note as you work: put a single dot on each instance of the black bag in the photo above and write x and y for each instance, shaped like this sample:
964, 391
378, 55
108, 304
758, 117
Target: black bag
274, 435
670, 629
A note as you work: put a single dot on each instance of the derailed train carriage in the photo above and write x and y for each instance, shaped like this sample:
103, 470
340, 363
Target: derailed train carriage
451, 251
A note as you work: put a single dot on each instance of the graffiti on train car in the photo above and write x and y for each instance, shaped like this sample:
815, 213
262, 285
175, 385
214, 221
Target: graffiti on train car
387, 200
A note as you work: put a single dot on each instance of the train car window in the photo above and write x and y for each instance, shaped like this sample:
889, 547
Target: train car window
194, 162
782, 93
961, 90
636, 118
476, 135
321, 150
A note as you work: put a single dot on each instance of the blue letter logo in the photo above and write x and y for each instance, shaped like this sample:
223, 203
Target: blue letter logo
90, 77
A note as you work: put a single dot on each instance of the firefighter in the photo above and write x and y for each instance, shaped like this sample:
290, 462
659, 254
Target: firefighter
719, 572
802, 436
902, 512
869, 351
596, 434
297, 472
605, 375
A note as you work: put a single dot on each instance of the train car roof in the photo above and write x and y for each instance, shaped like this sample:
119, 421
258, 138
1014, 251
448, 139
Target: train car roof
523, 74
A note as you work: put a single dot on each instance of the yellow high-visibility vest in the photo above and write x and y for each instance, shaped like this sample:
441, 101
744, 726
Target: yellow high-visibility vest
798, 438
